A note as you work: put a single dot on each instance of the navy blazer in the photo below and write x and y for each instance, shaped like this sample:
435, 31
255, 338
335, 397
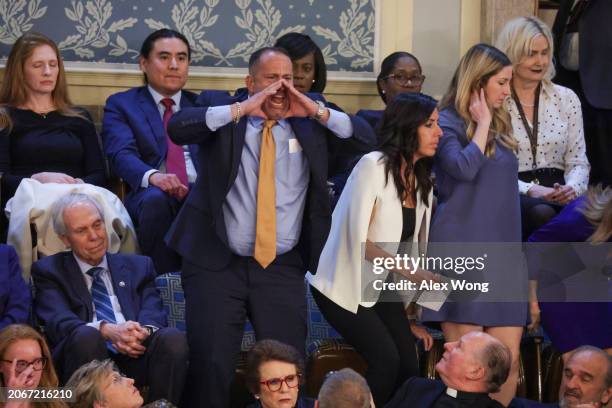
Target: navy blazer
419, 392
63, 302
198, 232
14, 293
133, 134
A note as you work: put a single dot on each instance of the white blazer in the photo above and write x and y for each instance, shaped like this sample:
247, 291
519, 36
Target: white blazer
367, 209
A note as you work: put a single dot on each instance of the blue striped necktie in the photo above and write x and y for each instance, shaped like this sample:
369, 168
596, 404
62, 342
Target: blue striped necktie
101, 300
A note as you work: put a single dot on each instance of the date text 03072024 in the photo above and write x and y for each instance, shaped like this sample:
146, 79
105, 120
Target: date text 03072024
37, 394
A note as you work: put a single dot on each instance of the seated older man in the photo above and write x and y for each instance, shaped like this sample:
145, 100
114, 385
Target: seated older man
345, 389
586, 382
470, 369
95, 305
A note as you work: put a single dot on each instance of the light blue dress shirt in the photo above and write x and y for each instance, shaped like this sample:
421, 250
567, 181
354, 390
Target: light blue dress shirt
292, 176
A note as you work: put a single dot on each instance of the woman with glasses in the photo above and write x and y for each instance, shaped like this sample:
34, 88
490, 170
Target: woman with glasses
546, 121
100, 384
399, 72
274, 372
25, 363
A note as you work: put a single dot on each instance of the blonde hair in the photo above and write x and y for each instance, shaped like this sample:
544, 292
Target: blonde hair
516, 40
87, 381
13, 91
48, 378
476, 67
598, 211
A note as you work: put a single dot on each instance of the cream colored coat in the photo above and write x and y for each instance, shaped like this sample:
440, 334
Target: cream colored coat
367, 209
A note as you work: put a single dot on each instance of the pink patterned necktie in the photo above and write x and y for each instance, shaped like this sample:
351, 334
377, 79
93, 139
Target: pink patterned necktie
175, 158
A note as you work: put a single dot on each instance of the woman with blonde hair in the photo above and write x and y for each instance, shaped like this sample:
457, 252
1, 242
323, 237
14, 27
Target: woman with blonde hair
25, 362
547, 123
42, 135
476, 169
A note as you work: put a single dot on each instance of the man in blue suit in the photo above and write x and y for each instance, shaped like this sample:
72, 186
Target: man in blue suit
257, 217
139, 151
95, 305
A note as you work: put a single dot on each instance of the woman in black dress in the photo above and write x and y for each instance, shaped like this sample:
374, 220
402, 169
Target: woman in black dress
42, 135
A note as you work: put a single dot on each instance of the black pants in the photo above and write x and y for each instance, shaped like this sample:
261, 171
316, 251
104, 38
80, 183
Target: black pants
217, 304
163, 367
381, 335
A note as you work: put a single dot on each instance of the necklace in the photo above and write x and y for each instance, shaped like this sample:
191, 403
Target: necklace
526, 105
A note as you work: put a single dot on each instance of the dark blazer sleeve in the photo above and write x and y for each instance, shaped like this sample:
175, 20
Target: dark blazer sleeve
120, 142
188, 126
52, 305
14, 293
151, 310
94, 169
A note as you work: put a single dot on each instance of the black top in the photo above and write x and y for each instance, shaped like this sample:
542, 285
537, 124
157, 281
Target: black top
409, 221
465, 399
52, 142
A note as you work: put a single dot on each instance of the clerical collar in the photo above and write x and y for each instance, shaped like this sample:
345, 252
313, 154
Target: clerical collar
464, 395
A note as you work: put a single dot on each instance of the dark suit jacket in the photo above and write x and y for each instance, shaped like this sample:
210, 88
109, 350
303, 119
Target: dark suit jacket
14, 293
422, 393
198, 233
595, 49
63, 302
133, 134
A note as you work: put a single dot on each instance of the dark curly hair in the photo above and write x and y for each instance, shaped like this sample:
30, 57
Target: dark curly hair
298, 46
269, 350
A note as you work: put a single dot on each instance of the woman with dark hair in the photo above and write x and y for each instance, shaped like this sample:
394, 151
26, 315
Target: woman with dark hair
309, 70
274, 372
400, 72
26, 363
42, 135
387, 199
478, 202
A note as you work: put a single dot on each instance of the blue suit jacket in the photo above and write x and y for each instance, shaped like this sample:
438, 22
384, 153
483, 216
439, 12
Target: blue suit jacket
133, 134
198, 232
63, 302
14, 293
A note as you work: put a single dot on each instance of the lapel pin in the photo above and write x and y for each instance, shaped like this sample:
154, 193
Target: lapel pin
122, 284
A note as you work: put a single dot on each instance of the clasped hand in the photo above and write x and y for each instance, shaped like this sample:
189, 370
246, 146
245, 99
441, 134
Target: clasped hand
299, 105
126, 337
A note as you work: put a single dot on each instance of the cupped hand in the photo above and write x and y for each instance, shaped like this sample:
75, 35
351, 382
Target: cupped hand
300, 105
253, 106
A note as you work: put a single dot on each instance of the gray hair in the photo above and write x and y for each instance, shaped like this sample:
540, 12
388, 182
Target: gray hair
496, 358
602, 354
87, 382
67, 201
344, 389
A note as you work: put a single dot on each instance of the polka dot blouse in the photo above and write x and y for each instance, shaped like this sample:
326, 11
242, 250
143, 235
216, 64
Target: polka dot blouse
560, 137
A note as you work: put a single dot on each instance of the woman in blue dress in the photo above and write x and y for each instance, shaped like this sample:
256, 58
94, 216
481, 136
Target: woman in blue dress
478, 201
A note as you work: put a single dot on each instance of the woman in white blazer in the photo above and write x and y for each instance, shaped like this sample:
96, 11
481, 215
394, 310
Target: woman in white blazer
387, 199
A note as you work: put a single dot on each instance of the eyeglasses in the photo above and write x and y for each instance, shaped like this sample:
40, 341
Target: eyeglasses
37, 364
275, 384
406, 81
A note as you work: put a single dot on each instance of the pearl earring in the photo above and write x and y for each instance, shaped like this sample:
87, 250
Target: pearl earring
383, 91
313, 81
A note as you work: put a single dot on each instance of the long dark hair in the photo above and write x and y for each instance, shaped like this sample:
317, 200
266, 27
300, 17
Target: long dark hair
298, 46
399, 141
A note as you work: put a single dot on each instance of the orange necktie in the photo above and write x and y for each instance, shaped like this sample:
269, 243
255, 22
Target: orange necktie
265, 233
